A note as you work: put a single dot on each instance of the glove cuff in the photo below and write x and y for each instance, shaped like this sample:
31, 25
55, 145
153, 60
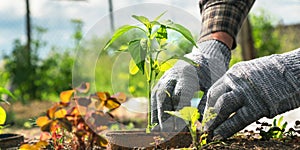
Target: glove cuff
291, 61
214, 49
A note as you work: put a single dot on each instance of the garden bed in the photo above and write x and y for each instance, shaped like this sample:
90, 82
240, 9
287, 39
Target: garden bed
237, 142
240, 143
232, 143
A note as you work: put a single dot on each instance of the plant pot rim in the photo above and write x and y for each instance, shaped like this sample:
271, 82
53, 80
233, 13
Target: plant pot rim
142, 132
139, 138
7, 136
10, 140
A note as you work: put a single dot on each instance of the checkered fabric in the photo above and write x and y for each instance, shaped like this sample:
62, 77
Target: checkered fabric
223, 15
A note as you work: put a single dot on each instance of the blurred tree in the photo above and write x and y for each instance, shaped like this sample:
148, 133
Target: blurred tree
246, 41
266, 40
56, 70
77, 35
42, 78
23, 73
28, 32
111, 15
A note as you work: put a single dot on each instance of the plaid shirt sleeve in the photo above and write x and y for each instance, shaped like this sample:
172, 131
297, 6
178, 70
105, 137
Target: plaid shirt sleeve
223, 15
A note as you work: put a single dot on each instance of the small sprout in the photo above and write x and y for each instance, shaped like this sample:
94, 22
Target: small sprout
276, 130
190, 115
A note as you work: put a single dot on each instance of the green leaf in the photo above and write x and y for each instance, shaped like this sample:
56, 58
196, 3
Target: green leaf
189, 114
123, 48
280, 121
182, 30
133, 68
153, 23
158, 17
5, 91
162, 32
138, 50
174, 113
284, 126
165, 66
189, 61
119, 32
143, 20
2, 116
274, 122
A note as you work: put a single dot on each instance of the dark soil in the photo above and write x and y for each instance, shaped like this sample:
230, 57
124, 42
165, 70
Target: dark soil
29, 111
238, 143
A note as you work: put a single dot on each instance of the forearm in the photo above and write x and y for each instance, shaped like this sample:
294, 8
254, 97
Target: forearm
225, 16
220, 36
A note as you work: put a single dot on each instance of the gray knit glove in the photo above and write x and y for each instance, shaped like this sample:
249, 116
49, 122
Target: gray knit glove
177, 86
263, 87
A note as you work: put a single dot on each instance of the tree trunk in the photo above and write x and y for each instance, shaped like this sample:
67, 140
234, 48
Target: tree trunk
111, 16
30, 69
28, 30
246, 41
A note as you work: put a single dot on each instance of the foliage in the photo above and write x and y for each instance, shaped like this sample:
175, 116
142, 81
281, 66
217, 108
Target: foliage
281, 127
236, 56
145, 51
266, 40
41, 78
54, 73
190, 115
66, 126
77, 35
21, 72
276, 130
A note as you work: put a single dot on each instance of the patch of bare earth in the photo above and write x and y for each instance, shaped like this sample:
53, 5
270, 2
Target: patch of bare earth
239, 143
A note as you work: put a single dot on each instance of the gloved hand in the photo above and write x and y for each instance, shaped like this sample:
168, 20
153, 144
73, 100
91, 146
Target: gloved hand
177, 86
263, 87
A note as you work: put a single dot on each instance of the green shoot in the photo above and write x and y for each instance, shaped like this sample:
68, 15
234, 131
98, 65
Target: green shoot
144, 55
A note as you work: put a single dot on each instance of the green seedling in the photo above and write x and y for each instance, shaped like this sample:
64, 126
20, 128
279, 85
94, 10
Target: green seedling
281, 126
190, 115
145, 51
276, 130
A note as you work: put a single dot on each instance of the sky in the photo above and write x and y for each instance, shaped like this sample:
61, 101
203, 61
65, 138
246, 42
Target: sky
55, 15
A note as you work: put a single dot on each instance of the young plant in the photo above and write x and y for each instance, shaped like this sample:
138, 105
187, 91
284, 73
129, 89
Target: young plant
77, 125
190, 115
275, 131
145, 51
